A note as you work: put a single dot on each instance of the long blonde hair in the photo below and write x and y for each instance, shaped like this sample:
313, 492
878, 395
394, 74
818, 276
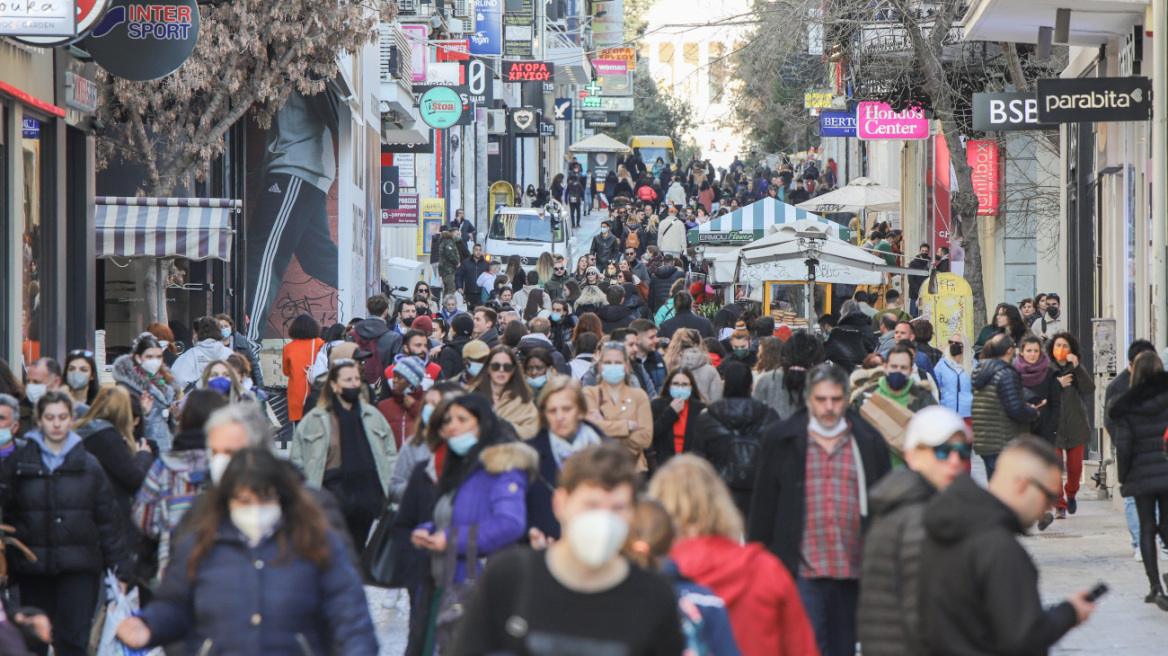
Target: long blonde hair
683, 338
113, 405
697, 499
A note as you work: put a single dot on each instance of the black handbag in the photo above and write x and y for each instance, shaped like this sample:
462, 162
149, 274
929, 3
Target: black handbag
455, 595
380, 564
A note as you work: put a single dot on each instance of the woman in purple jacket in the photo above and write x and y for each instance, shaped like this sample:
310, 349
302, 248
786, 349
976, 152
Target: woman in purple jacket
483, 484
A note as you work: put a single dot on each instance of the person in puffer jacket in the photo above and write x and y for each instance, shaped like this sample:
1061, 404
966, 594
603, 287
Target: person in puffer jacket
258, 573
999, 412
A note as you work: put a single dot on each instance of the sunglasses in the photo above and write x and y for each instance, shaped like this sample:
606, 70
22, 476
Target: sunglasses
505, 367
82, 352
963, 450
1051, 497
558, 269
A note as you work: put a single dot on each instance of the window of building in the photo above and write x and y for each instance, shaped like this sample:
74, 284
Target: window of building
717, 70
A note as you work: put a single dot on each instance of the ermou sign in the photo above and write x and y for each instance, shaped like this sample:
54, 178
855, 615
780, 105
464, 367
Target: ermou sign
143, 42
876, 120
528, 71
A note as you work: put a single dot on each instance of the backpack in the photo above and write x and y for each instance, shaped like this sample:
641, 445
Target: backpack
633, 240
574, 193
373, 372
810, 173
741, 466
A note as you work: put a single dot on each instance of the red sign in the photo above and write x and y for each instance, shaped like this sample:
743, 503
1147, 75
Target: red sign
456, 50
940, 193
528, 71
405, 214
983, 157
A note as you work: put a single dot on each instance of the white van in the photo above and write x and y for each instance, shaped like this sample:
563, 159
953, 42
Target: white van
528, 233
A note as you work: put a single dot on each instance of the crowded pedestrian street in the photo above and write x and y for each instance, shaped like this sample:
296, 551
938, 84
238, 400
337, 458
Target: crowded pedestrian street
584, 328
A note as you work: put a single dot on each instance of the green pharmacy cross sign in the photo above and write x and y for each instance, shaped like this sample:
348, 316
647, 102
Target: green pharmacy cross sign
592, 103
593, 88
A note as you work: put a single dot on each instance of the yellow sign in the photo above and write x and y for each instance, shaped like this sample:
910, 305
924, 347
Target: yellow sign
502, 194
817, 100
433, 215
950, 309
624, 54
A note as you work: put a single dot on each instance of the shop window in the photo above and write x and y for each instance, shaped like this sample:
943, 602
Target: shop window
32, 265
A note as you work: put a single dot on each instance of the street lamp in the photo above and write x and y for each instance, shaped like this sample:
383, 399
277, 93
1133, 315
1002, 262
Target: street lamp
811, 246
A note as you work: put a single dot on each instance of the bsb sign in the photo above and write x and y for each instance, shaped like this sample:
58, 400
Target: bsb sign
876, 120
1094, 99
1006, 112
528, 71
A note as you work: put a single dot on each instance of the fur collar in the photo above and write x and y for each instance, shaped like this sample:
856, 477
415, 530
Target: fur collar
510, 456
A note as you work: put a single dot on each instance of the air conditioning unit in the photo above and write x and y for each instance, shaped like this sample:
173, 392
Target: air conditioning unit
461, 26
496, 121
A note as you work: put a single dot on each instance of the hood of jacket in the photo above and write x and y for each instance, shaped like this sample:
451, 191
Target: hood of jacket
856, 320
126, 371
986, 370
1149, 398
510, 456
92, 428
964, 509
613, 313
372, 328
743, 415
899, 488
692, 358
720, 563
665, 272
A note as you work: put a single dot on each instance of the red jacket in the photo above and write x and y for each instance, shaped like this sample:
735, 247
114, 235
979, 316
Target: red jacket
764, 606
403, 421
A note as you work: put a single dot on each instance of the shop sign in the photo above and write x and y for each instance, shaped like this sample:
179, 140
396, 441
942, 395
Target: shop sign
441, 107
983, 158
563, 109
30, 128
524, 122
1006, 112
607, 104
144, 42
452, 51
88, 13
37, 18
488, 25
389, 189
876, 120
406, 213
480, 82
528, 71
837, 124
80, 93
627, 55
419, 60
595, 120
610, 66
426, 147
547, 129
1094, 99
817, 99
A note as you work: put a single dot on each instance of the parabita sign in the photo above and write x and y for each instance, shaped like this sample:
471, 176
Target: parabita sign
1094, 99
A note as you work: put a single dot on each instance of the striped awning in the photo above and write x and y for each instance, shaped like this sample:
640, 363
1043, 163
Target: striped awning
193, 228
746, 224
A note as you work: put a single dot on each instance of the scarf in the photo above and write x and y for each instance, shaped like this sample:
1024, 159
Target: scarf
562, 449
356, 483
1032, 374
900, 397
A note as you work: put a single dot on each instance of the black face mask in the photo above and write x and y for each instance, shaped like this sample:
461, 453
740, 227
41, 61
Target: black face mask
407, 321
956, 349
351, 394
1052, 312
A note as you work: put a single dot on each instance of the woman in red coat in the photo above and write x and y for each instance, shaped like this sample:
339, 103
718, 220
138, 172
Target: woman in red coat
765, 610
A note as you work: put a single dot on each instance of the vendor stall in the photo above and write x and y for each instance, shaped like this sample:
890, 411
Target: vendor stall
755, 221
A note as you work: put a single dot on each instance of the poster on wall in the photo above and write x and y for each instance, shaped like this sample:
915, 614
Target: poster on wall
433, 215
950, 309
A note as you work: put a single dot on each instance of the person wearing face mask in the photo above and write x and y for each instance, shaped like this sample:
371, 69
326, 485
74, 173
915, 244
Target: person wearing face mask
403, 404
345, 446
142, 372
450, 356
580, 588
538, 369
898, 383
241, 345
258, 572
605, 246
415, 450
406, 314
189, 366
483, 481
675, 411
43, 375
824, 452
766, 615
563, 432
740, 352
617, 407
60, 502
81, 376
107, 432
504, 383
222, 377
1074, 422
9, 425
1048, 321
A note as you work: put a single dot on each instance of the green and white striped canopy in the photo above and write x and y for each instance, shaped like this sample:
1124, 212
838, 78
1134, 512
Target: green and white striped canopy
752, 222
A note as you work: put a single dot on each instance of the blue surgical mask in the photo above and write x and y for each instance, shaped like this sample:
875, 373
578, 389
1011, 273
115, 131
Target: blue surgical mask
226, 332
5, 436
462, 444
427, 411
556, 316
220, 384
612, 373
538, 382
896, 380
681, 393
474, 368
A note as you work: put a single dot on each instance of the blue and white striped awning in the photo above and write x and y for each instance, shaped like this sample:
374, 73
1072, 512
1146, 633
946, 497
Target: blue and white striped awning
193, 228
752, 222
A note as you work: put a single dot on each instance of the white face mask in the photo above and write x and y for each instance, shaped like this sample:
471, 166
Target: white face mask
218, 465
826, 431
34, 392
596, 536
248, 384
256, 521
151, 366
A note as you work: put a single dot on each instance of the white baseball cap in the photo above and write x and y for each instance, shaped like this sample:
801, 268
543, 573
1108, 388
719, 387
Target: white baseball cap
934, 426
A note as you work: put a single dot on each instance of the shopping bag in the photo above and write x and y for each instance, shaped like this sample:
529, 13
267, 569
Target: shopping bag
119, 607
889, 418
379, 559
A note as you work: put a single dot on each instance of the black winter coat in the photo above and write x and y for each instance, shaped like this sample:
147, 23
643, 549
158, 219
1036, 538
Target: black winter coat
664, 417
1141, 417
561, 335
614, 316
889, 619
450, 358
979, 588
716, 427
861, 324
69, 517
686, 320
776, 509
466, 278
1046, 425
125, 470
660, 283
606, 248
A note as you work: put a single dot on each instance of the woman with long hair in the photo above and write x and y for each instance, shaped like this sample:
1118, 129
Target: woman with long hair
1007, 319
766, 612
299, 357
1141, 419
686, 351
617, 407
581, 269
588, 322
422, 293
107, 431
1074, 422
222, 377
675, 412
515, 272
584, 346
165, 337
345, 445
143, 372
782, 387
259, 550
505, 385
592, 298
544, 267
80, 371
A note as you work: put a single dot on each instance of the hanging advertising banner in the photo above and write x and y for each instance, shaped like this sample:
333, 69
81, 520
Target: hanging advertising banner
488, 25
416, 35
563, 109
876, 120
608, 24
479, 82
144, 42
440, 107
46, 18
524, 122
837, 124
389, 189
1094, 99
454, 50
610, 66
518, 30
983, 158
406, 213
1006, 112
528, 71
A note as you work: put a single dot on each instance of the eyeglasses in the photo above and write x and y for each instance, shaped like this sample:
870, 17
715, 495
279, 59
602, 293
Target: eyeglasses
82, 352
1051, 497
505, 367
962, 449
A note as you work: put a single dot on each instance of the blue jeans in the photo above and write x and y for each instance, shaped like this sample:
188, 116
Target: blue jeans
831, 608
990, 463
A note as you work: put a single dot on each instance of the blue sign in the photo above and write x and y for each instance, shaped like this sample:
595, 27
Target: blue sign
488, 36
563, 109
837, 124
30, 128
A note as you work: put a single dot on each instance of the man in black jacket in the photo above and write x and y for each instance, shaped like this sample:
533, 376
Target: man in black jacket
937, 444
979, 588
825, 452
467, 275
662, 281
605, 246
450, 355
683, 317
